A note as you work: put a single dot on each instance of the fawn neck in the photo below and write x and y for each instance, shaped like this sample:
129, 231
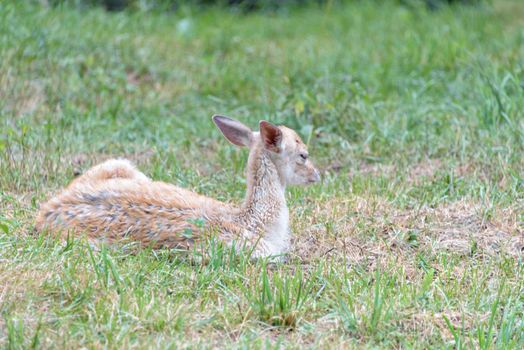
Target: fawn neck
264, 210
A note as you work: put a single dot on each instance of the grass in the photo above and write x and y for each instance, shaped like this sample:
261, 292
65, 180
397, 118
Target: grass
414, 238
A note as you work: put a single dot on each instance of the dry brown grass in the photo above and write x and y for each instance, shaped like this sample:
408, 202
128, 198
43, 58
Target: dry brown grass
363, 229
427, 323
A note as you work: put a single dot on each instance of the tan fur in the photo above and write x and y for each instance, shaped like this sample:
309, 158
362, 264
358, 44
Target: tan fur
114, 202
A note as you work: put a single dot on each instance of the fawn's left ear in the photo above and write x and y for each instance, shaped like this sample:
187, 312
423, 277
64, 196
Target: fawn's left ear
234, 131
271, 136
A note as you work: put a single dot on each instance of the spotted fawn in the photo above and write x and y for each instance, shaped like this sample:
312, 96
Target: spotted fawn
114, 202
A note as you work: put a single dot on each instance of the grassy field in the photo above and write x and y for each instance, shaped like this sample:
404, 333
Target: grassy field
413, 239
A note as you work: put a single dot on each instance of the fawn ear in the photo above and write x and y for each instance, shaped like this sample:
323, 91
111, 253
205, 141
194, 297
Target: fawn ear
271, 136
234, 131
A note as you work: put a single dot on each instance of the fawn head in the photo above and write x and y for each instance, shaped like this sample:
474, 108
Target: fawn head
283, 146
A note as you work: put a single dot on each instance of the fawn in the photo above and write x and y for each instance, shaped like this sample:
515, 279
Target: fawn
113, 201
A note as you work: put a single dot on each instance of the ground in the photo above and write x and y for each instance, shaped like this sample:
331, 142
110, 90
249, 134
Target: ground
413, 239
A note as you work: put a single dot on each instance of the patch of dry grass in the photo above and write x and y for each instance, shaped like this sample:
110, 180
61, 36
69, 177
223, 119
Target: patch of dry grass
460, 227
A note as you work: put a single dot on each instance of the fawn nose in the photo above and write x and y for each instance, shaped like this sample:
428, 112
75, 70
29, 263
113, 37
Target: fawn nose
316, 176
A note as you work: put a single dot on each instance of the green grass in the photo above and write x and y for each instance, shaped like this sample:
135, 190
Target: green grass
413, 239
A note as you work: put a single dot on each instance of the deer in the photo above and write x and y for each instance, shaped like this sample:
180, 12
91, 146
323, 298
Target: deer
115, 202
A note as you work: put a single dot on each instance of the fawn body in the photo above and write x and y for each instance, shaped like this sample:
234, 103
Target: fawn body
113, 201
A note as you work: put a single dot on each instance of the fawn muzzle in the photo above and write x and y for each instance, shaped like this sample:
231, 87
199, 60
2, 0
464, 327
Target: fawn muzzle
314, 175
